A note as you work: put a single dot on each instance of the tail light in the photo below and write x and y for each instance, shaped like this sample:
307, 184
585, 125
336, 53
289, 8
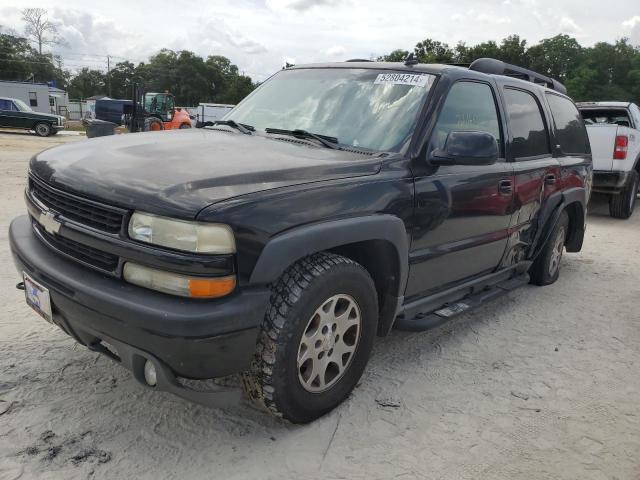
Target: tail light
620, 147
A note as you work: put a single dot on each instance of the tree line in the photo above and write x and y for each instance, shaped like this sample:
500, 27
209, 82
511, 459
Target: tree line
605, 71
191, 78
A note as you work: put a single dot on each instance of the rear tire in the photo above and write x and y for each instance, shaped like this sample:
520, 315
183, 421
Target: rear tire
546, 267
295, 373
42, 129
184, 125
623, 204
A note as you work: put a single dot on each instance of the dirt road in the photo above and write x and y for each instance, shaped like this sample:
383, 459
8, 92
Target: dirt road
541, 384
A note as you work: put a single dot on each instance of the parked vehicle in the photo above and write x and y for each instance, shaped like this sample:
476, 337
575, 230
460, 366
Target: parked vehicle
335, 202
211, 112
614, 134
14, 113
111, 109
152, 111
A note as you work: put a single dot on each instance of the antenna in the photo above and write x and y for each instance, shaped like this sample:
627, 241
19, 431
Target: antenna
411, 59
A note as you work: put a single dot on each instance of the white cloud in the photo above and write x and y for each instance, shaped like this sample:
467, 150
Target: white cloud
632, 22
632, 29
568, 25
299, 5
336, 51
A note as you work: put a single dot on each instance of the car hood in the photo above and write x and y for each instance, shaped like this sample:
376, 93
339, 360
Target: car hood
180, 172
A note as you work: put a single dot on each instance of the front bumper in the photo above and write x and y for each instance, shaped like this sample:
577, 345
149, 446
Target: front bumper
609, 181
190, 338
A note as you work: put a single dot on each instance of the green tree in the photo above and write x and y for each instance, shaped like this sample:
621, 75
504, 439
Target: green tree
395, 56
19, 61
433, 51
557, 57
87, 83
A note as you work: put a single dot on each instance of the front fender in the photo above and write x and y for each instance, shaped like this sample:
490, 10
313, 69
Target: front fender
288, 247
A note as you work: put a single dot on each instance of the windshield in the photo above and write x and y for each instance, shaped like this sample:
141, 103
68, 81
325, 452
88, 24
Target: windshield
373, 109
23, 107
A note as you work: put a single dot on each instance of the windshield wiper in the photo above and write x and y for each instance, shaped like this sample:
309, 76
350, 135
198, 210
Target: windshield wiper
329, 142
241, 127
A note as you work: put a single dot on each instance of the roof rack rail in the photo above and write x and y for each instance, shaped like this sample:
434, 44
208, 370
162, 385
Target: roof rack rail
492, 66
358, 60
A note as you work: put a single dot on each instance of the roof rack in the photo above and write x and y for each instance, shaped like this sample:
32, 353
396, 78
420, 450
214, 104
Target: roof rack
358, 60
492, 66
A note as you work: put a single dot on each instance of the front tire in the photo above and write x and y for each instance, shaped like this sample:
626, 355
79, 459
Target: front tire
546, 267
153, 124
42, 129
316, 338
623, 204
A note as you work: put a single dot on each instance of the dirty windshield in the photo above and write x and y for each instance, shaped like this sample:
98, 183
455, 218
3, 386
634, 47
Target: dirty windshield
372, 109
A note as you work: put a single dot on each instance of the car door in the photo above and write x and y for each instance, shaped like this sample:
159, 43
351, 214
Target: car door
462, 212
9, 115
536, 172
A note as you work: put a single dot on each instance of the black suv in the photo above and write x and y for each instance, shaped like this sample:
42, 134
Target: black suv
335, 202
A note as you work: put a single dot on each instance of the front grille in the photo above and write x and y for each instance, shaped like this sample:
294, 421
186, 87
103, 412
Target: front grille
86, 212
83, 253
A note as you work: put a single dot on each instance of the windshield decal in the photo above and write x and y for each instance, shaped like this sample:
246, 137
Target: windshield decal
403, 79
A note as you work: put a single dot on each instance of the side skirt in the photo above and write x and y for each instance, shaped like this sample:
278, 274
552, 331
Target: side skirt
436, 309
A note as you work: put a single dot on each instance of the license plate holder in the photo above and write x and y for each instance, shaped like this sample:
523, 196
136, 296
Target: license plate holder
38, 297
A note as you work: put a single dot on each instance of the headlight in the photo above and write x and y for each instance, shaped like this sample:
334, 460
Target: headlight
177, 284
182, 235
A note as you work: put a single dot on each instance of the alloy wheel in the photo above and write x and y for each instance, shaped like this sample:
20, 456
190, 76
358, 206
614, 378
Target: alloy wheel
328, 343
556, 253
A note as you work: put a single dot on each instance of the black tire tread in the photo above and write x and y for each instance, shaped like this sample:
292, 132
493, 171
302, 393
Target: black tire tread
619, 204
538, 271
284, 295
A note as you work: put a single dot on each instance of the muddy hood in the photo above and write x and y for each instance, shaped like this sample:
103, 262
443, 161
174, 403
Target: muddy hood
179, 173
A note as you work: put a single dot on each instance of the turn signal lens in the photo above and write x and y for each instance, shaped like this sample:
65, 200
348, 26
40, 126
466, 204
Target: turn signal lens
211, 287
177, 284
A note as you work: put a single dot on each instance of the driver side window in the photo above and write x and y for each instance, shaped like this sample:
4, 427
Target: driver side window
470, 106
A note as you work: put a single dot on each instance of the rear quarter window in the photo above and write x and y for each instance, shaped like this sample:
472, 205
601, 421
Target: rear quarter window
571, 133
529, 136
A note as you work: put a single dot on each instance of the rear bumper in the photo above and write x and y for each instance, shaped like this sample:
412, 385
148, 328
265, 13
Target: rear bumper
609, 181
190, 338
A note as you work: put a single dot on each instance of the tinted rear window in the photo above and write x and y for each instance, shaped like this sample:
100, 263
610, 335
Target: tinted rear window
570, 131
529, 136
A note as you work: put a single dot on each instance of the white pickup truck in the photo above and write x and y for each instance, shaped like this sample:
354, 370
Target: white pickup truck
614, 134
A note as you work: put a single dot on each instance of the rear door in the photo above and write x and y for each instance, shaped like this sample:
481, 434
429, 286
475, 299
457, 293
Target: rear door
536, 171
571, 143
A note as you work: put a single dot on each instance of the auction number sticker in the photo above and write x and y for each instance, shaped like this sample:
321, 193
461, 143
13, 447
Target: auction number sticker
402, 79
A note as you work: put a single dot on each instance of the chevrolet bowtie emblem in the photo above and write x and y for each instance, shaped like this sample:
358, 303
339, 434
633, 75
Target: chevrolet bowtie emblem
49, 222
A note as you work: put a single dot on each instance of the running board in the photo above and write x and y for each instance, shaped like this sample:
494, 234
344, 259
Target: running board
428, 320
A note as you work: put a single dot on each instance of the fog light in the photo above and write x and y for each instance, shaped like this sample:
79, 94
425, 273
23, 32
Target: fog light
150, 374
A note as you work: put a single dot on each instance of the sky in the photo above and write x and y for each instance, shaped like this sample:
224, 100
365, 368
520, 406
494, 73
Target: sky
260, 35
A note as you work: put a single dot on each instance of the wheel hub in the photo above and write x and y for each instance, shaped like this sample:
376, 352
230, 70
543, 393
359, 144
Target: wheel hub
328, 343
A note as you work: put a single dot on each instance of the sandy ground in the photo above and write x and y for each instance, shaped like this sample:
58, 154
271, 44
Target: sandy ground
541, 384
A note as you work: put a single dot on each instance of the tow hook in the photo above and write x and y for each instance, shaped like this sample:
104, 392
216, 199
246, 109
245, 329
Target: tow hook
20, 286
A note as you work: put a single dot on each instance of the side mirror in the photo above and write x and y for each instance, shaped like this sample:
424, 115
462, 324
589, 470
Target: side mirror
467, 148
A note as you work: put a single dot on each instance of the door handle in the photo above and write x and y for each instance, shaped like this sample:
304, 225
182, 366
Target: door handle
505, 187
550, 179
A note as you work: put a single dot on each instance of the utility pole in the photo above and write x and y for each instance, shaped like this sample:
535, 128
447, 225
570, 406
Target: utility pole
109, 73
